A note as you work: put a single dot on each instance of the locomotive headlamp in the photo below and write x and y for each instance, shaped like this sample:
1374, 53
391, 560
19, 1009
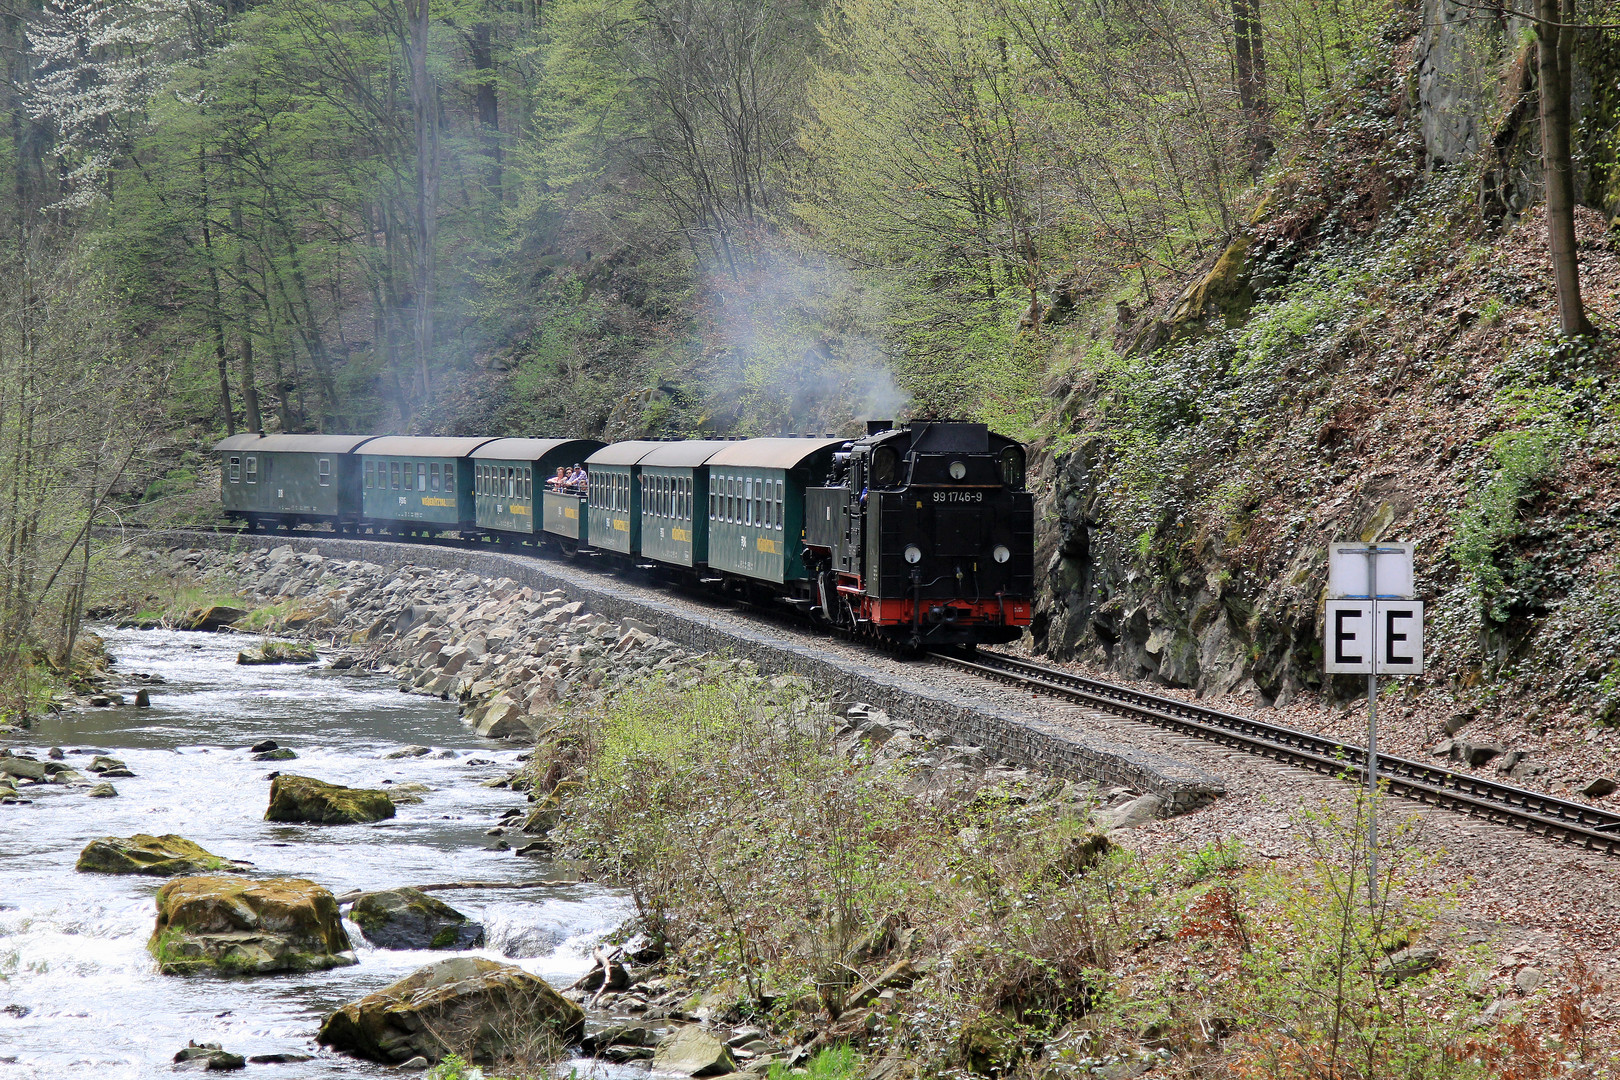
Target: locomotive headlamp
913, 554
1001, 554
958, 470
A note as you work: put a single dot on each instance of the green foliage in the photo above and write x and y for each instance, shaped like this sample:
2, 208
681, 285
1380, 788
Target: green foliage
834, 1063
1546, 397
1322, 997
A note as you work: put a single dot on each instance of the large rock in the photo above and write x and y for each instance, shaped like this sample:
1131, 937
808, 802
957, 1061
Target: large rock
503, 719
480, 1009
160, 856
303, 798
211, 618
22, 768
410, 919
691, 1051
239, 927
1139, 811
279, 652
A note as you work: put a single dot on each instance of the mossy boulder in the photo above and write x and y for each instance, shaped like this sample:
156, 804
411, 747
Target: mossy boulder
481, 1009
411, 919
160, 856
279, 652
234, 926
1225, 292
211, 617
303, 798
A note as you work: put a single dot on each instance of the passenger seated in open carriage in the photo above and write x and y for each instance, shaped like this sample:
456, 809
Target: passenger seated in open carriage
560, 481
579, 480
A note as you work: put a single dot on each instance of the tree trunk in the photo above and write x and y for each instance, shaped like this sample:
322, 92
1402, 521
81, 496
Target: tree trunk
483, 58
250, 378
1248, 41
425, 109
215, 316
1554, 56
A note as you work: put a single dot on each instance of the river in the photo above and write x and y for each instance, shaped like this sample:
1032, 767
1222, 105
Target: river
80, 996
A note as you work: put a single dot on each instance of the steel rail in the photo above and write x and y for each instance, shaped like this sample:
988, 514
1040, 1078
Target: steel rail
1535, 812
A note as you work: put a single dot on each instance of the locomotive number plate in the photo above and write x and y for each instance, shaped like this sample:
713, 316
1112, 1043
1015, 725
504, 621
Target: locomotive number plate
958, 496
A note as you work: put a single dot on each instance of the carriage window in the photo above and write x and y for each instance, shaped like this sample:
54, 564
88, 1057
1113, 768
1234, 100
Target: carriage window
781, 502
770, 504
731, 499
323, 471
393, 475
371, 474
252, 470
663, 496
236, 470
711, 504
421, 476
528, 484
433, 477
759, 502
748, 501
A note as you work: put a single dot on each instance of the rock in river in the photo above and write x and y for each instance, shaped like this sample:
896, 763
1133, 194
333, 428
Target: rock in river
478, 1008
410, 919
279, 652
160, 856
303, 798
239, 927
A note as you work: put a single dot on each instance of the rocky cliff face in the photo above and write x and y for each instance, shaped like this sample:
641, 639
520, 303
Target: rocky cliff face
1345, 386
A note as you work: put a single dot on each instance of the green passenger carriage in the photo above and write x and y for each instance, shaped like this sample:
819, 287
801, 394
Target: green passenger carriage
674, 490
421, 482
614, 503
275, 479
509, 481
756, 505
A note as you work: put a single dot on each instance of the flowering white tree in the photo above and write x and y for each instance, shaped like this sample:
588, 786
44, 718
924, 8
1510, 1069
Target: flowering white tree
96, 65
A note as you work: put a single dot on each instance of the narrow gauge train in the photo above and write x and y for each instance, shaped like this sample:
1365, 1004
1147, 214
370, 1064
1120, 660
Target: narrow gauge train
920, 533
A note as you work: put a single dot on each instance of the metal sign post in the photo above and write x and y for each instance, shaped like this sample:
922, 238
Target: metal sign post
1373, 626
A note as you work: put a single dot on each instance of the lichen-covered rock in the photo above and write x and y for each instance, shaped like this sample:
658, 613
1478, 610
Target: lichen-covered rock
410, 919
235, 926
480, 1009
303, 798
159, 856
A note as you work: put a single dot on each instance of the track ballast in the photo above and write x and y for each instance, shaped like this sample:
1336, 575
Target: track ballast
1536, 813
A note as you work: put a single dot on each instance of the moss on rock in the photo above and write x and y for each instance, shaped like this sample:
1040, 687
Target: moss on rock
303, 798
411, 919
481, 1009
159, 856
234, 926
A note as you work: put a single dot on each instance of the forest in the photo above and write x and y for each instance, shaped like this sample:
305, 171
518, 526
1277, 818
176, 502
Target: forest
1094, 225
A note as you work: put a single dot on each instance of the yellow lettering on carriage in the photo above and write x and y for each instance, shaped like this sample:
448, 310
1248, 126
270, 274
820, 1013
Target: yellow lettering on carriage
621, 525
681, 536
769, 547
439, 502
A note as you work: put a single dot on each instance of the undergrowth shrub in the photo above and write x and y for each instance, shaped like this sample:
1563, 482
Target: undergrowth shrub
788, 869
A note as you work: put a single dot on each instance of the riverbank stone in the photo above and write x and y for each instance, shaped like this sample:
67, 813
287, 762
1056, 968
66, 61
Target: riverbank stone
234, 926
305, 799
159, 856
211, 618
411, 919
691, 1051
480, 1009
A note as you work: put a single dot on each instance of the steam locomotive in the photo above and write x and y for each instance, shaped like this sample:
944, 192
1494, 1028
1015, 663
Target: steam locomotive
919, 533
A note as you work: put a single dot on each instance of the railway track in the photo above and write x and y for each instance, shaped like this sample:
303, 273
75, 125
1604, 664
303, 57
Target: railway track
1536, 813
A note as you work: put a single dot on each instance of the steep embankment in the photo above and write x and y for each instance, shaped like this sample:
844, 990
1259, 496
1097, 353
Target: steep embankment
1374, 356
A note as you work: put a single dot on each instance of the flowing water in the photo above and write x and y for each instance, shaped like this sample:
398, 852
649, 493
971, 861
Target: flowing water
79, 995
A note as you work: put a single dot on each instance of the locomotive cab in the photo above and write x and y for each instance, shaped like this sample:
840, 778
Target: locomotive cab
924, 533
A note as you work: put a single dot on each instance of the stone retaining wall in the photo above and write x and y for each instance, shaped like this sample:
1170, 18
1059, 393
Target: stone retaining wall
1016, 734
